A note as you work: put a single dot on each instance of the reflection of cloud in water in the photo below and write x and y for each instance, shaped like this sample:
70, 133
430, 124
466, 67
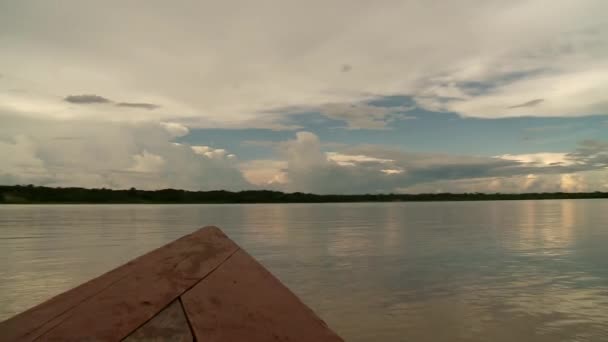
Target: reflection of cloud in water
545, 227
266, 224
346, 243
393, 229
483, 271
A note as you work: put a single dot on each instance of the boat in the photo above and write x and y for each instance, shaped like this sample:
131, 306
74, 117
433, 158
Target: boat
200, 287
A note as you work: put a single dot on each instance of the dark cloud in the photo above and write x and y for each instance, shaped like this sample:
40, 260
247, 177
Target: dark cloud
148, 106
530, 103
86, 99
346, 68
498, 81
96, 99
591, 153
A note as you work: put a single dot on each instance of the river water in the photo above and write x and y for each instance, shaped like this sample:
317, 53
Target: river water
445, 271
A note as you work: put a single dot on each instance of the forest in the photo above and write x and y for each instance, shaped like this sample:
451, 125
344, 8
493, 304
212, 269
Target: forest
25, 194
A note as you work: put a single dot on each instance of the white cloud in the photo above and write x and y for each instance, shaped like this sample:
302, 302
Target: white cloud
392, 171
106, 154
210, 152
20, 163
370, 169
540, 159
175, 129
147, 162
213, 66
573, 183
353, 160
512, 184
265, 173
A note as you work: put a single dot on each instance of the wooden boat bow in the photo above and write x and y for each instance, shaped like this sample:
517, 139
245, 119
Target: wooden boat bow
200, 287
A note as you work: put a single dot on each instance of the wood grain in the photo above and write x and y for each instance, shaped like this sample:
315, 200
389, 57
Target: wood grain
110, 307
169, 325
242, 301
200, 287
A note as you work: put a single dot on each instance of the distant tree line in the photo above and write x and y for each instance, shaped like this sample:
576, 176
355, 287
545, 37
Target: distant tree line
41, 194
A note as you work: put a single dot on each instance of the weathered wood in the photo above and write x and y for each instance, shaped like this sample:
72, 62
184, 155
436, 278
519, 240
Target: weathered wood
122, 302
242, 301
199, 287
28, 324
169, 325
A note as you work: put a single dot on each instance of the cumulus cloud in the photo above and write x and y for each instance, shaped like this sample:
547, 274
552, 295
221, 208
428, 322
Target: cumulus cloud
583, 181
214, 153
147, 162
20, 164
266, 173
109, 155
144, 155
361, 169
175, 129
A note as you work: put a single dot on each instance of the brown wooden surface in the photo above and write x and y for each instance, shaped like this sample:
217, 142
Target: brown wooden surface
201, 286
242, 301
114, 311
169, 325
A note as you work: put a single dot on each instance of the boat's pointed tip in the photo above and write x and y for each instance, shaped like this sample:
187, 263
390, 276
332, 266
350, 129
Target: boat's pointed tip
211, 230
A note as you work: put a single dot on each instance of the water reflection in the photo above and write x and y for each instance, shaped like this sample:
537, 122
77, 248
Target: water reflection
474, 271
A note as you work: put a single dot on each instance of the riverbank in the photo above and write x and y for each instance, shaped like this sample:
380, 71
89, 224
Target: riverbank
48, 195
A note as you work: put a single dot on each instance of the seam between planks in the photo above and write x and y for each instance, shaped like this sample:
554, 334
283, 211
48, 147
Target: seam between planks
37, 338
181, 304
179, 297
70, 308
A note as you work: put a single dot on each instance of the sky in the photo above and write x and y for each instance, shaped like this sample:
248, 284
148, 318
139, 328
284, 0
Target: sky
313, 96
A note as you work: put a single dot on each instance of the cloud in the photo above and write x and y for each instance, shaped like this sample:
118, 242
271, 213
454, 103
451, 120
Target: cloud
145, 155
346, 68
86, 99
267, 173
112, 155
148, 106
175, 129
530, 103
147, 162
540, 159
362, 169
364, 116
96, 99
20, 164
236, 67
353, 160
213, 153
591, 152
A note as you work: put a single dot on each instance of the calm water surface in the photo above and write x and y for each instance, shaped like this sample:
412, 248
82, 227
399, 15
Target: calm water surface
451, 271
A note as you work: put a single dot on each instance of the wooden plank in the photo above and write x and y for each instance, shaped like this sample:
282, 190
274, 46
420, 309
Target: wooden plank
112, 306
169, 325
25, 325
242, 301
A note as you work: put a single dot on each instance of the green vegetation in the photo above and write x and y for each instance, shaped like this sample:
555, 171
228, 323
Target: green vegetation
40, 194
